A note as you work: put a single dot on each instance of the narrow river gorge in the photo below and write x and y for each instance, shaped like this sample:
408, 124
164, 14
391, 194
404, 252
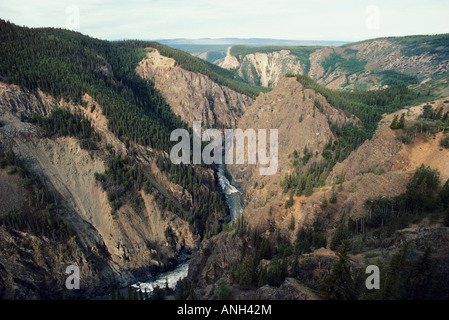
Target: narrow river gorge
233, 200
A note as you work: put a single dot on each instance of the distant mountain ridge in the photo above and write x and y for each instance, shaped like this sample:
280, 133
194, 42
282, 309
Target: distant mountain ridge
249, 41
214, 50
367, 64
85, 176
84, 169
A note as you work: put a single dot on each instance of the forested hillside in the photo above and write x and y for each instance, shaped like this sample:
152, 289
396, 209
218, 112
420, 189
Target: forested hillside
365, 106
67, 64
369, 64
215, 73
84, 167
94, 92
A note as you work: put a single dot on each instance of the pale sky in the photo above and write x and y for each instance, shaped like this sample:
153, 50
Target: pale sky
347, 20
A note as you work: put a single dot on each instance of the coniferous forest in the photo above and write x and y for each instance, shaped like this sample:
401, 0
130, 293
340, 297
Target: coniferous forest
365, 106
67, 64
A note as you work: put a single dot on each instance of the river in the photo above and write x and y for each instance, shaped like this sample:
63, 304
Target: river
234, 202
170, 277
232, 194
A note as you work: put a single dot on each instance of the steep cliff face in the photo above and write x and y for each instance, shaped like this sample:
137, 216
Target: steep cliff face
291, 110
380, 168
229, 62
386, 153
383, 166
352, 66
385, 54
110, 244
263, 68
193, 96
373, 57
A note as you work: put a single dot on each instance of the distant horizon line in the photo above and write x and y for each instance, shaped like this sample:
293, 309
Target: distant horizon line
238, 41
84, 32
241, 38
275, 39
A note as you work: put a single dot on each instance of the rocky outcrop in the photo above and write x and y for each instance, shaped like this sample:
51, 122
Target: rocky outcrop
374, 56
109, 244
264, 69
380, 167
290, 289
33, 267
214, 258
294, 112
229, 62
378, 55
193, 96
385, 54
16, 100
376, 154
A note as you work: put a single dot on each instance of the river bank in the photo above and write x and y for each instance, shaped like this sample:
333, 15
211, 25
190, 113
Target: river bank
234, 202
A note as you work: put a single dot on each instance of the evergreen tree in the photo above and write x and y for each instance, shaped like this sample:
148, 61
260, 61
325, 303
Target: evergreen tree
262, 277
323, 204
421, 281
394, 277
401, 124
339, 284
132, 295
309, 187
340, 234
395, 122
158, 293
277, 272
444, 195
446, 218
303, 241
333, 197
246, 273
223, 290
289, 202
291, 226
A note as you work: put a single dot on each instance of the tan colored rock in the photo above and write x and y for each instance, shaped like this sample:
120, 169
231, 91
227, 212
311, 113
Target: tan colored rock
114, 242
379, 55
281, 109
290, 289
265, 69
193, 96
230, 62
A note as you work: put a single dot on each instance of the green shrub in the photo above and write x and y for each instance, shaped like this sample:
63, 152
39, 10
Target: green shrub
223, 290
369, 255
12, 170
445, 142
99, 177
